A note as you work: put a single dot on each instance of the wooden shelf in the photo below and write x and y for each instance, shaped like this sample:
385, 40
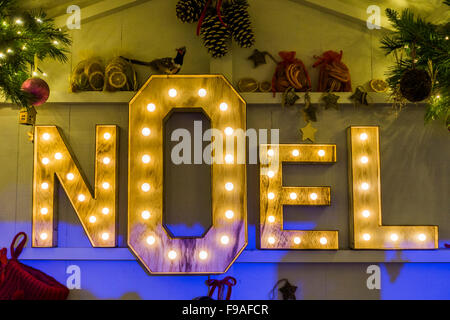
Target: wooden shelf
253, 256
250, 98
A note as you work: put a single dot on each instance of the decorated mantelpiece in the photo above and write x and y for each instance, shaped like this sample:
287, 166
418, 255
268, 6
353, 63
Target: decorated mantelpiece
158, 251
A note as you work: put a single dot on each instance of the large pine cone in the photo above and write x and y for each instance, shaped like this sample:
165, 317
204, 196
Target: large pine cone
190, 10
238, 20
215, 36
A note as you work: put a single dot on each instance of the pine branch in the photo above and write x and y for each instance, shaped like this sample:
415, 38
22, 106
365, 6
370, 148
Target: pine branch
22, 39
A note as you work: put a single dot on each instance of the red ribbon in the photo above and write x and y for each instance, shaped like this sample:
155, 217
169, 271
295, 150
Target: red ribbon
221, 284
203, 15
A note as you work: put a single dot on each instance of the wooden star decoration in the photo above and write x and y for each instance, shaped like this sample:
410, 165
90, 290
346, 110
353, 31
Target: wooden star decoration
309, 132
288, 291
258, 57
331, 101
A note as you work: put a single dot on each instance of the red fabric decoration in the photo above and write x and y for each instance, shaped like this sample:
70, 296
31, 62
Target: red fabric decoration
221, 284
447, 245
290, 72
334, 75
21, 282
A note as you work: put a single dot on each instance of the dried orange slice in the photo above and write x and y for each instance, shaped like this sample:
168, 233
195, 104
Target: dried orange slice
379, 85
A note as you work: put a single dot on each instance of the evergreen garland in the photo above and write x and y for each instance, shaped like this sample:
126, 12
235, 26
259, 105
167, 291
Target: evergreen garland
24, 37
238, 20
421, 45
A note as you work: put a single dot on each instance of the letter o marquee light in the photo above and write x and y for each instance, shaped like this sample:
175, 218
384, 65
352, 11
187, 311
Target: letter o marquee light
156, 249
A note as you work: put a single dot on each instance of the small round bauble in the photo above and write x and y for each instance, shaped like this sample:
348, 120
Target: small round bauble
415, 85
38, 89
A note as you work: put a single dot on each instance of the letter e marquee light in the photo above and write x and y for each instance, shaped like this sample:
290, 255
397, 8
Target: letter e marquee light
154, 246
273, 196
366, 227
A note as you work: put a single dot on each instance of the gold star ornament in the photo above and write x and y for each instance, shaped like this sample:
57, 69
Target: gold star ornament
309, 132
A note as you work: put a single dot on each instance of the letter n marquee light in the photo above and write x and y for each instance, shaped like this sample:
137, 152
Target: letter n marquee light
366, 227
96, 211
154, 246
273, 196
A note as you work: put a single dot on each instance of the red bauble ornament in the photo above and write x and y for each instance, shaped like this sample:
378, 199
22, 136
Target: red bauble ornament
39, 90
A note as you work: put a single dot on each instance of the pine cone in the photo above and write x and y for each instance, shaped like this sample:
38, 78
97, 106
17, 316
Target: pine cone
190, 10
238, 21
215, 36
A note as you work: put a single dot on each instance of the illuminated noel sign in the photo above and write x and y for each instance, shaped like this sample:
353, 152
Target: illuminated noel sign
216, 251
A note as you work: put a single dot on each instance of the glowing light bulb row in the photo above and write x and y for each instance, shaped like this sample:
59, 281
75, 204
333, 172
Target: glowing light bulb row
296, 153
293, 196
394, 237
297, 240
151, 107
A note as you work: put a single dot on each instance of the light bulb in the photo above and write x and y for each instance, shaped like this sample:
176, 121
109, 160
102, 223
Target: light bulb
145, 187
229, 214
422, 237
363, 136
146, 132
172, 255
44, 186
225, 240
58, 156
45, 161
295, 153
203, 255
313, 196
293, 196
271, 240
321, 153
229, 131
151, 107
297, 240
394, 237
107, 136
105, 211
55, 43
106, 160
366, 236
364, 159
202, 93
92, 219
146, 158
229, 186
365, 186
173, 93
223, 106
44, 211
19, 21
271, 219
145, 215
151, 240
46, 136
270, 152
105, 236
70, 176
323, 241
229, 158
105, 185
270, 174
366, 213
44, 236
81, 197
271, 195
